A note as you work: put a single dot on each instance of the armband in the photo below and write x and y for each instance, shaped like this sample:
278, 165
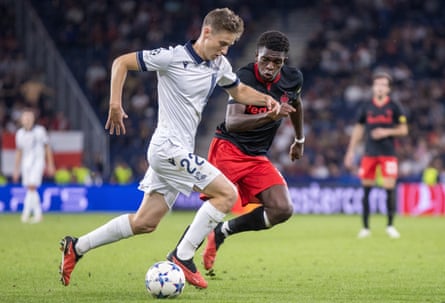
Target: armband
300, 141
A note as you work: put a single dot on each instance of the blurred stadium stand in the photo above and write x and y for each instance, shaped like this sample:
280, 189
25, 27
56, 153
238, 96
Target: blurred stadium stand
337, 44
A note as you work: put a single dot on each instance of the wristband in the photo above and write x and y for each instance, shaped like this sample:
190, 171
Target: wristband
300, 141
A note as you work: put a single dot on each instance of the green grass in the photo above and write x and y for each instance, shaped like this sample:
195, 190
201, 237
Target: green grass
307, 259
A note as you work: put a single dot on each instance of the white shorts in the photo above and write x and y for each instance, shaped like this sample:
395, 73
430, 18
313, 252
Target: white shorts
173, 170
32, 174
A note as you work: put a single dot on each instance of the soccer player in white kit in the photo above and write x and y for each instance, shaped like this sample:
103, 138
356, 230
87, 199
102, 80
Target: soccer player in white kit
32, 150
187, 75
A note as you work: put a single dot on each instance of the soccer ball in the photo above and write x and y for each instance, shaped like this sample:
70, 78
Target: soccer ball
165, 279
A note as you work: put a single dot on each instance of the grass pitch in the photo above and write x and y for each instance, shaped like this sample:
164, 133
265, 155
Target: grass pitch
307, 259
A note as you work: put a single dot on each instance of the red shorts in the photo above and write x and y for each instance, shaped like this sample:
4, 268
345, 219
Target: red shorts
388, 167
251, 174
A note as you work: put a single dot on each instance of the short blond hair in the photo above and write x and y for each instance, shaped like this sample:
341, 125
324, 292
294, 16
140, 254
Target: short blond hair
224, 19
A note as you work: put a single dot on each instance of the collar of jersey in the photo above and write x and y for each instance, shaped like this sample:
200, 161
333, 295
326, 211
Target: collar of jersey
195, 56
382, 103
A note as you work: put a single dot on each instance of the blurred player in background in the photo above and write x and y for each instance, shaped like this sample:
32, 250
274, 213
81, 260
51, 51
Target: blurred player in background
379, 122
32, 150
187, 75
240, 145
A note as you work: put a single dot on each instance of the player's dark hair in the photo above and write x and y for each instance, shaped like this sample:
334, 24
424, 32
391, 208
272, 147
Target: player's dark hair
274, 40
385, 75
224, 19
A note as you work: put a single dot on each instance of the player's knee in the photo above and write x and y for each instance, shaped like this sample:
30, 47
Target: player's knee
281, 213
143, 227
286, 212
227, 198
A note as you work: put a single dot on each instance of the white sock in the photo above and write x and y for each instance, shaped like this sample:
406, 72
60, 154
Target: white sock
204, 222
36, 207
112, 231
27, 206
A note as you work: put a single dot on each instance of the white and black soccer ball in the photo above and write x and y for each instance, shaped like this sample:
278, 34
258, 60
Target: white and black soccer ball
165, 279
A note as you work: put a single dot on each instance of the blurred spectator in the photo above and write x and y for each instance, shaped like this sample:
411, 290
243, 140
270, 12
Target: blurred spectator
59, 121
81, 175
319, 170
122, 173
63, 176
97, 171
34, 90
95, 74
431, 174
3, 180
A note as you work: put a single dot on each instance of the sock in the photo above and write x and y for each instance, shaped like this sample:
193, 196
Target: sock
27, 206
365, 201
204, 222
266, 220
36, 206
225, 229
255, 220
390, 205
112, 231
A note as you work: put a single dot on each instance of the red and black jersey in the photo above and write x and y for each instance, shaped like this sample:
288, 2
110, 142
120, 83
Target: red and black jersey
371, 115
283, 88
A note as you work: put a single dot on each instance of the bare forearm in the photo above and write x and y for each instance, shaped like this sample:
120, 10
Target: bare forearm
384, 132
297, 118
400, 130
241, 123
121, 66
246, 95
118, 76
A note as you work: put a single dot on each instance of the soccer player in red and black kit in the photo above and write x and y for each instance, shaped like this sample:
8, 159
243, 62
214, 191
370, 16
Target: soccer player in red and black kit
242, 141
379, 121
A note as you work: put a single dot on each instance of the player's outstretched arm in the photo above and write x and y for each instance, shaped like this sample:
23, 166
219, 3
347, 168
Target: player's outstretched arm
247, 95
116, 114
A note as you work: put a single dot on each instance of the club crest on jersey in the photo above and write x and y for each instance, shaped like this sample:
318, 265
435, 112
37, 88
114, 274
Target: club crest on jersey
284, 98
154, 52
185, 63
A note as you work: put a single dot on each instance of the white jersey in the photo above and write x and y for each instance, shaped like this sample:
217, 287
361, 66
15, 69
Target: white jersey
32, 144
185, 83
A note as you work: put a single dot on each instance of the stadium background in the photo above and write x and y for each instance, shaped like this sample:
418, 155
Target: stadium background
64, 49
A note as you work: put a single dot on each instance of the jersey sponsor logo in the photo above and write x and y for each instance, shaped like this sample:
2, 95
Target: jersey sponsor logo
380, 119
255, 110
